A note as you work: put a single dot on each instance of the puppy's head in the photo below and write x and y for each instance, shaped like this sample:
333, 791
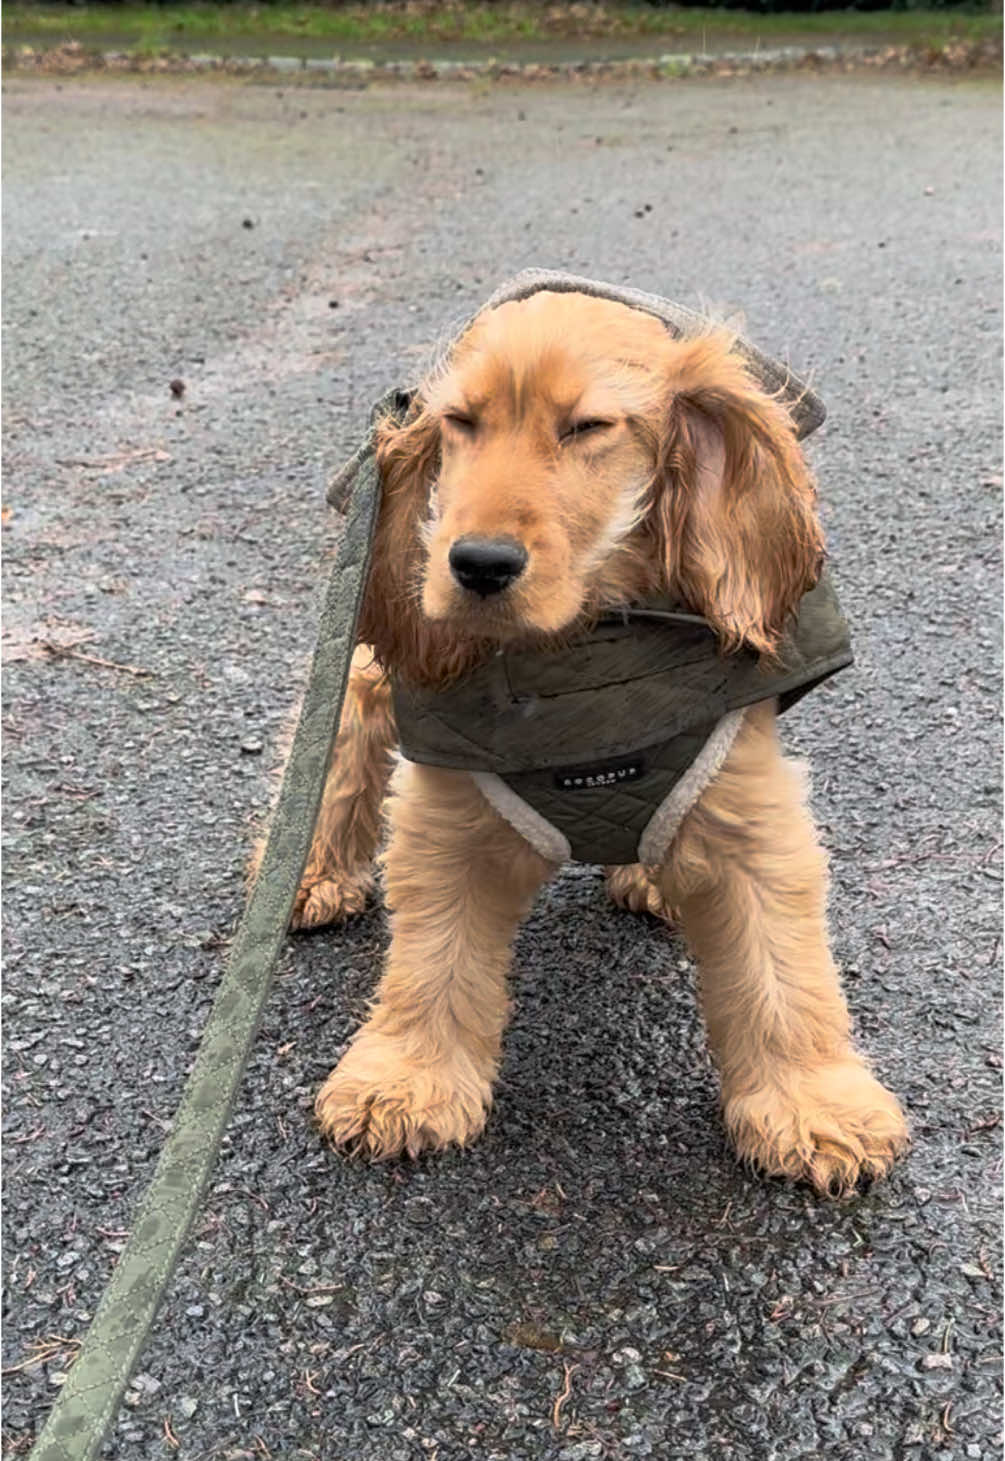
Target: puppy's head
545, 461
571, 455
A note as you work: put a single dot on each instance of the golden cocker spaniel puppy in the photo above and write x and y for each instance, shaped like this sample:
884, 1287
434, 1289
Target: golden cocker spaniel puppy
592, 460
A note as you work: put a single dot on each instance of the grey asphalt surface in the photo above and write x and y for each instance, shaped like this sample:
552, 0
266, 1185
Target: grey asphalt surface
599, 1244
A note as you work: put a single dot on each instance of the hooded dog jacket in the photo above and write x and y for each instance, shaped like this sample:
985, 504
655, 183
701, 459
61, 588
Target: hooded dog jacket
597, 751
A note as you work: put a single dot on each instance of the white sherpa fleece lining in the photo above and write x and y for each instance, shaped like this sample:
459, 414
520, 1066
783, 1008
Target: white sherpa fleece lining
538, 831
663, 825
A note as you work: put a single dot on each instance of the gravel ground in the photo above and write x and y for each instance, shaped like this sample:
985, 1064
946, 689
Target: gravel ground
596, 1277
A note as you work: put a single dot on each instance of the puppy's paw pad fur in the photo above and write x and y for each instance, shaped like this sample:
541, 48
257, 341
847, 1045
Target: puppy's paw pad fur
376, 1104
331, 900
833, 1127
631, 888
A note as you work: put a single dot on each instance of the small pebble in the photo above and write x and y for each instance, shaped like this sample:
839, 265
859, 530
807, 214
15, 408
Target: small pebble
937, 1362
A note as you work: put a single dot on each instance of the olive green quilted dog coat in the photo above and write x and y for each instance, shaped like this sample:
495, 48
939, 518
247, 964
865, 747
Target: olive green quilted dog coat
597, 752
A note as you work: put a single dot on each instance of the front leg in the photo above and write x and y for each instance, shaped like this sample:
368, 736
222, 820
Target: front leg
749, 878
419, 1073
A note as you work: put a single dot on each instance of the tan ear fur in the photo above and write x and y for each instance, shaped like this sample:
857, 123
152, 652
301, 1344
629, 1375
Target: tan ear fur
735, 508
391, 618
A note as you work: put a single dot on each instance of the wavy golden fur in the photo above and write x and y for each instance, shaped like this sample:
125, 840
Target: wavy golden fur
610, 461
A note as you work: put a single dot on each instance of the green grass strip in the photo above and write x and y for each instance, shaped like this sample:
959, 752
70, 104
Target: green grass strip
205, 26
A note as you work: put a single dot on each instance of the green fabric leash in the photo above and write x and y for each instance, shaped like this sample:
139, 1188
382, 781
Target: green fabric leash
91, 1395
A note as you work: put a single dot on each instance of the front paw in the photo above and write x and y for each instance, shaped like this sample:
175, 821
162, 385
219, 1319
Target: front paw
832, 1125
379, 1102
331, 899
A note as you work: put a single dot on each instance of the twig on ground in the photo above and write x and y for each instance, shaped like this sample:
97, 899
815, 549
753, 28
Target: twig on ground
986, 1123
111, 464
46, 1349
61, 651
562, 1397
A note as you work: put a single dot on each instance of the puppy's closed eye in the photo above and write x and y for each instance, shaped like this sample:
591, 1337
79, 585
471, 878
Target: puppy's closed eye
592, 426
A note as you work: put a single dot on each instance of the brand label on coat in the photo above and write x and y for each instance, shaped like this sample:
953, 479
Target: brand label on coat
603, 773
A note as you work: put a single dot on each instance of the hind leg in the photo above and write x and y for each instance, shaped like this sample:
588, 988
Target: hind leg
338, 877
634, 888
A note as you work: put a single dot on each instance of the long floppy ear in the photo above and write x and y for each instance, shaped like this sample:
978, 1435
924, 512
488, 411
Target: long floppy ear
391, 619
735, 507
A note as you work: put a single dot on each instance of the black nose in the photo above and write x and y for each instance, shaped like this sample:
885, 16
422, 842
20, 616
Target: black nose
487, 565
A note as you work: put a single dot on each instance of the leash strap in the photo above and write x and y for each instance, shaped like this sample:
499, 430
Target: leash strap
90, 1397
